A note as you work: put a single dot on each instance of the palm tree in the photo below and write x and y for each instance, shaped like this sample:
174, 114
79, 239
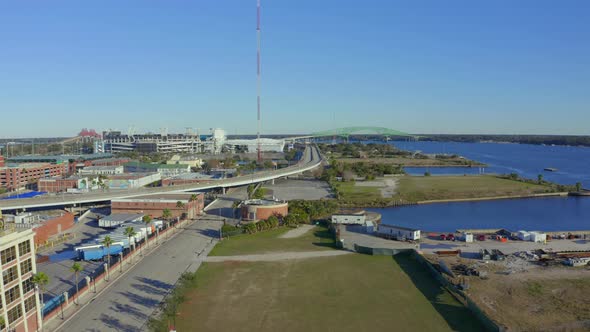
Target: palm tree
40, 279
107, 242
578, 186
193, 197
166, 214
77, 268
179, 204
130, 232
540, 178
146, 219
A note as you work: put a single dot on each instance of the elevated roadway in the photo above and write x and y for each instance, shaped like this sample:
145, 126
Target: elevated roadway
311, 159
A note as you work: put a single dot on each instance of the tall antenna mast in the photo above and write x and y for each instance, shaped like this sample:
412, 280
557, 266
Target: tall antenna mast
259, 150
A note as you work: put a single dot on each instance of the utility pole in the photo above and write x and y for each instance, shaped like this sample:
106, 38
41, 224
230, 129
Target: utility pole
259, 150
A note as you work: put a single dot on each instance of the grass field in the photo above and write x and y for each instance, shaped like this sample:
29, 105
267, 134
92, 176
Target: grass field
413, 162
351, 192
344, 293
420, 188
317, 238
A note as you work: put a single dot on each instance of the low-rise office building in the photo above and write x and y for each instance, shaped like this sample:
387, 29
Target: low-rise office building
165, 170
189, 205
187, 178
21, 310
131, 181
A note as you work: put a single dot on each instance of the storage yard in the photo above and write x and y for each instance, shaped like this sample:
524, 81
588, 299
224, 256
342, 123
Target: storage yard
524, 292
520, 284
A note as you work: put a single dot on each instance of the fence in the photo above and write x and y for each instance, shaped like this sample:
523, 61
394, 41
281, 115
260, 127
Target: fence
52, 304
379, 251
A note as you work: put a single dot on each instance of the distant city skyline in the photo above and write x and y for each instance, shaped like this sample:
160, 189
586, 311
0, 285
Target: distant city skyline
427, 68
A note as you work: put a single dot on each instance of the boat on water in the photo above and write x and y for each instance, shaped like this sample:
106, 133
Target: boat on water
550, 169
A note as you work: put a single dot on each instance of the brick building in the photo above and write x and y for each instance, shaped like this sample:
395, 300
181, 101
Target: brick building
45, 224
20, 303
57, 184
110, 162
260, 209
154, 205
18, 176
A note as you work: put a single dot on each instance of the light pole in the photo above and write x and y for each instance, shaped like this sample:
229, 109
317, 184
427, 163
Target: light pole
37, 313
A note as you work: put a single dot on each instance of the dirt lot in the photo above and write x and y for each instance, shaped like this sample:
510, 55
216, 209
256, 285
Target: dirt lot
525, 296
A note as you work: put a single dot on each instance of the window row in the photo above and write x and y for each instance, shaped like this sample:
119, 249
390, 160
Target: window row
12, 294
8, 255
24, 247
10, 275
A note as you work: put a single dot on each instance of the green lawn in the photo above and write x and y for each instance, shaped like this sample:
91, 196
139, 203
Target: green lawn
318, 238
344, 293
351, 192
419, 188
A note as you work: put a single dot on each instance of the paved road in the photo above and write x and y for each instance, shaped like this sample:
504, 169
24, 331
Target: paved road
310, 160
279, 256
131, 300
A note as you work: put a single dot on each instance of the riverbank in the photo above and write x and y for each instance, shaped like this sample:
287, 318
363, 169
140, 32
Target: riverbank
491, 198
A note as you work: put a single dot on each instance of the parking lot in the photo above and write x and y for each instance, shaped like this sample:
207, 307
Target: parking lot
299, 189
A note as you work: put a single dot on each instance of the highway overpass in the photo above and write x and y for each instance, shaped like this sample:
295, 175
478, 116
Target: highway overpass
311, 159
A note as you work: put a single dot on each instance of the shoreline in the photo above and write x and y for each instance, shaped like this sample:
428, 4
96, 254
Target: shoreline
492, 198
446, 166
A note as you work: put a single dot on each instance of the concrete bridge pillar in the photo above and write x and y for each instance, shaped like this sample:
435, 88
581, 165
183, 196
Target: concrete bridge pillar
223, 190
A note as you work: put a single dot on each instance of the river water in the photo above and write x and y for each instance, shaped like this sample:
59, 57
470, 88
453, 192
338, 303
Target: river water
545, 214
572, 163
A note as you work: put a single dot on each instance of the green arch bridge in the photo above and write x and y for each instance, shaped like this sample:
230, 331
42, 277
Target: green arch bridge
347, 131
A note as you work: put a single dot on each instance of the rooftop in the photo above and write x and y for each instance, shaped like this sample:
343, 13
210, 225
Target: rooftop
193, 176
100, 168
160, 197
123, 217
129, 176
154, 166
263, 202
399, 227
56, 158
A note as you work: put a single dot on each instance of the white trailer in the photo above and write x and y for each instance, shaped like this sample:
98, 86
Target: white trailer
398, 232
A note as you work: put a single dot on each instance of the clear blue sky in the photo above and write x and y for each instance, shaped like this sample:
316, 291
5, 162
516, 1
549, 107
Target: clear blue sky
436, 66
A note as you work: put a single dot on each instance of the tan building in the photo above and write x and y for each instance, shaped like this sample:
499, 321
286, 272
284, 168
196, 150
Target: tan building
259, 209
20, 304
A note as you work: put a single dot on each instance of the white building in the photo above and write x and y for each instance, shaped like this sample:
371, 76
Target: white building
191, 161
101, 170
132, 181
114, 220
398, 232
21, 309
266, 144
349, 219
